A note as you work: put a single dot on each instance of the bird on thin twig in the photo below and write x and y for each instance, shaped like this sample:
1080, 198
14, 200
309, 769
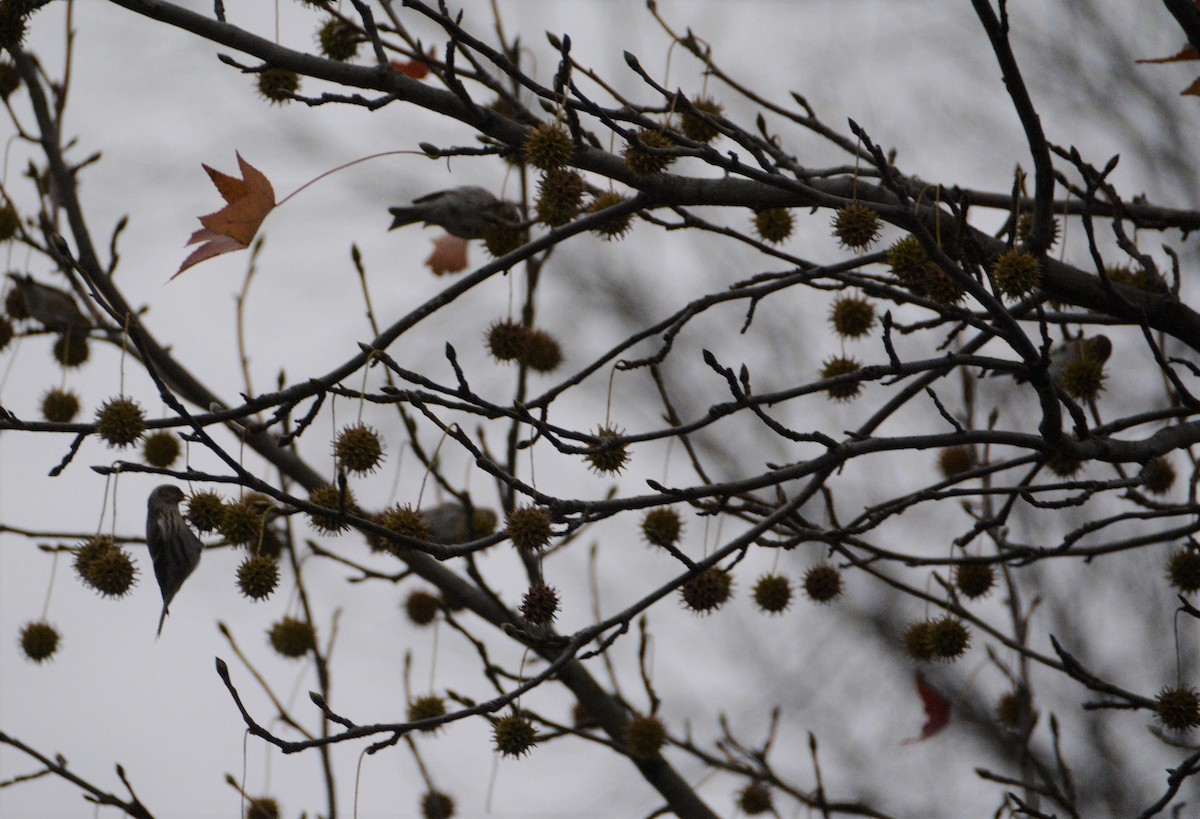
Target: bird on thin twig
174, 548
465, 212
55, 309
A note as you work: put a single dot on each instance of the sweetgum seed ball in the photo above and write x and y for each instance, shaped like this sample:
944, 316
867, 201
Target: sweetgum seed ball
242, 522
1178, 709
542, 352
528, 528
560, 197
695, 126
1159, 476
547, 146
507, 340
840, 365
823, 583
773, 225
60, 406
262, 807
39, 641
755, 799
949, 638
974, 580
292, 638
707, 591
852, 316
955, 460
614, 228
330, 497
773, 593
514, 735
205, 510
258, 576
608, 461
111, 572
161, 449
645, 736
856, 226
276, 85
71, 349
120, 421
641, 161
421, 608
358, 449
338, 41
918, 640
1183, 570
429, 706
436, 805
662, 527
540, 604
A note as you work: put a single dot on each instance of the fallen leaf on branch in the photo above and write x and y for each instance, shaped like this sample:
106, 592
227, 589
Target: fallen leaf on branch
233, 227
1188, 52
417, 69
449, 255
937, 709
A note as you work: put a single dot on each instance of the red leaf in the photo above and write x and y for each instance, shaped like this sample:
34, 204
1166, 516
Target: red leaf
449, 255
248, 201
937, 709
1188, 52
417, 69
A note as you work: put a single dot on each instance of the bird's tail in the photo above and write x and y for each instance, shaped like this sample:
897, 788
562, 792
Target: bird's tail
402, 216
161, 619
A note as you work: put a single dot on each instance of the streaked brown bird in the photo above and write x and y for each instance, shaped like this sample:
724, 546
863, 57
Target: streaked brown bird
174, 548
465, 212
55, 309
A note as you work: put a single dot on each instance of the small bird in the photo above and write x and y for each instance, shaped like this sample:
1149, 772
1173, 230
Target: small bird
448, 523
174, 548
465, 212
54, 308
1096, 349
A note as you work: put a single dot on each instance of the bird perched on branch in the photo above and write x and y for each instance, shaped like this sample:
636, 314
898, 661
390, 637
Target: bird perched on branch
448, 523
55, 309
465, 212
174, 548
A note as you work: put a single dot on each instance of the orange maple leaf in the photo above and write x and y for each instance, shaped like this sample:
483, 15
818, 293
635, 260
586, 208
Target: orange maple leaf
417, 69
233, 227
449, 255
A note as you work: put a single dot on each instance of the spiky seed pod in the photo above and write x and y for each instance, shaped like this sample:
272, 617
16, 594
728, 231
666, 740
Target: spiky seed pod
974, 580
501, 237
437, 805
358, 449
262, 807
949, 638
161, 449
707, 591
60, 406
955, 460
39, 641
514, 735
528, 528
856, 226
1183, 570
1025, 224
695, 126
540, 604
1158, 476
755, 799
1012, 709
910, 264
918, 640
6, 332
1016, 272
242, 522
1083, 378
507, 340
560, 197
10, 79
1063, 465
292, 638
258, 576
14, 304
542, 352
10, 222
547, 147
840, 365
1141, 278
641, 161
330, 497
422, 607
608, 461
662, 527
941, 287
429, 706
852, 316
110, 571
120, 421
338, 41
614, 228
1178, 709
645, 736
773, 225
71, 348
403, 520
89, 551
773, 593
277, 85
823, 583
205, 510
